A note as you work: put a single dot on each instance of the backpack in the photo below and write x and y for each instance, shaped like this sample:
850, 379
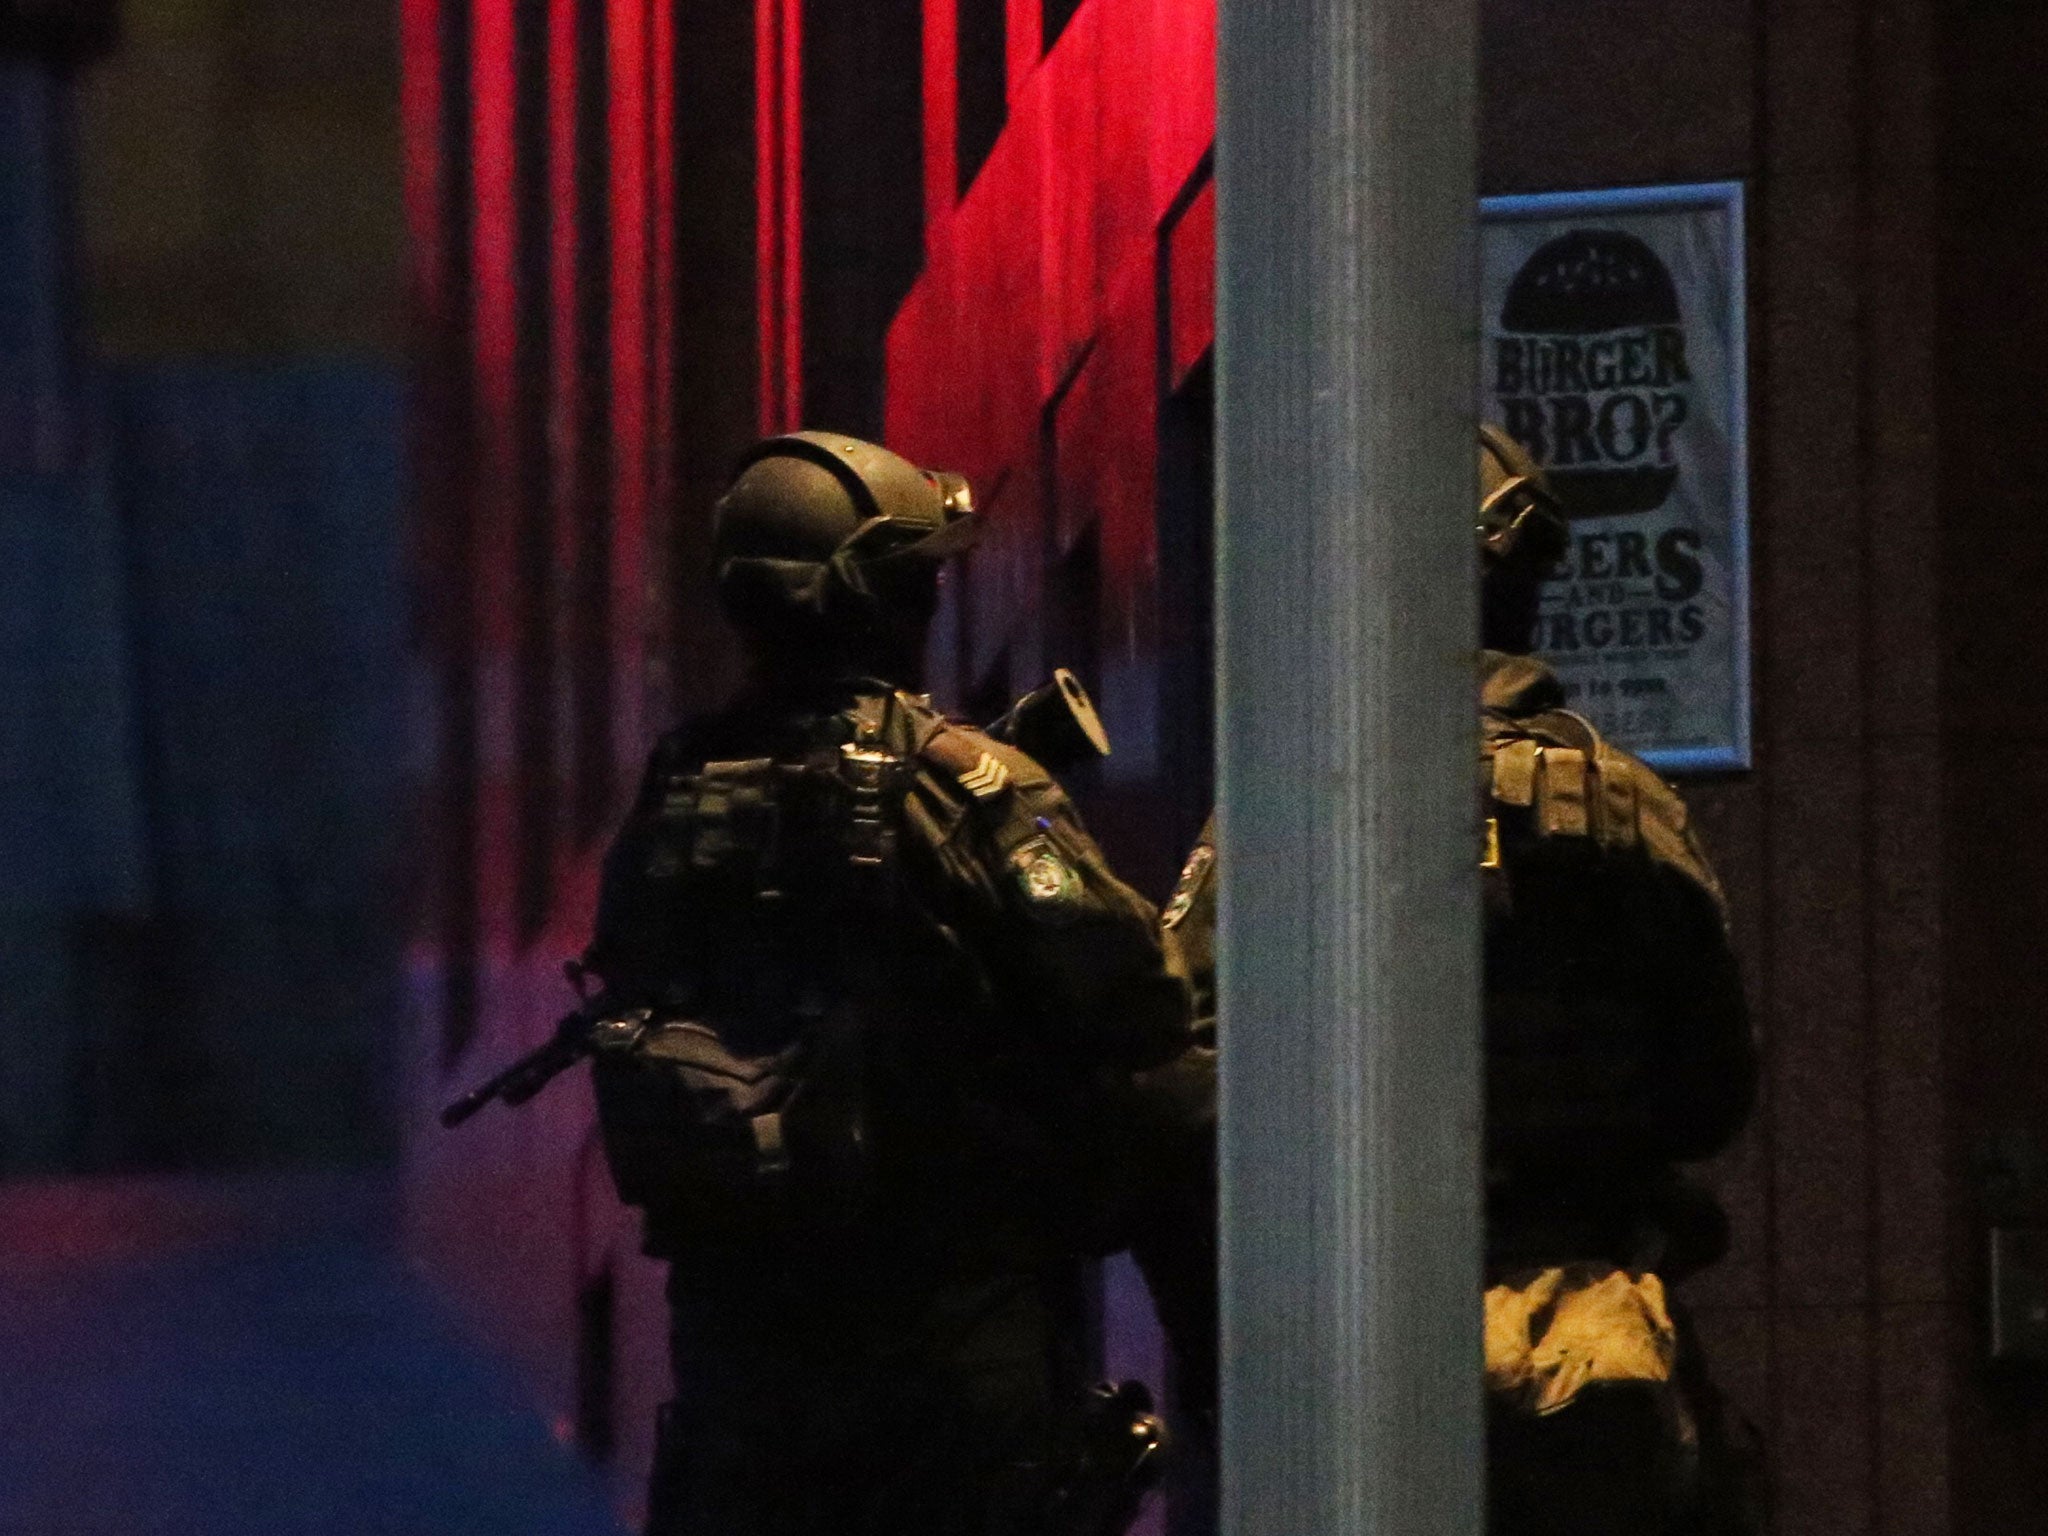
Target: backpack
1615, 1021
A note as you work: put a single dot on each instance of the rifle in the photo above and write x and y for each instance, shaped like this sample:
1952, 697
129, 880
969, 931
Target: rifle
1055, 723
584, 1029
576, 1036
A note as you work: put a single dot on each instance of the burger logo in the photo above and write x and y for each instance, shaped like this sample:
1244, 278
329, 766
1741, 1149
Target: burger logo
1590, 371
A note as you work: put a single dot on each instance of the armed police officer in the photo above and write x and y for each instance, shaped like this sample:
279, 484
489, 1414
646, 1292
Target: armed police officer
868, 988
1618, 1050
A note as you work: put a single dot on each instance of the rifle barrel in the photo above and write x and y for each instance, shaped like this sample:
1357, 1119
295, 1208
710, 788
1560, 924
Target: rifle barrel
530, 1073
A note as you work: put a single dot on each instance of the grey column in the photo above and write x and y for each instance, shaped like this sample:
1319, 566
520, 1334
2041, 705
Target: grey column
1349, 948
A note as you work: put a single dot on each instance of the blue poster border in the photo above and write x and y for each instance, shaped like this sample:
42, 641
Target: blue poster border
1726, 197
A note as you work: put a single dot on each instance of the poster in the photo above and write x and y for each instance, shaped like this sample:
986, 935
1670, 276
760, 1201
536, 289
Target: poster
1612, 346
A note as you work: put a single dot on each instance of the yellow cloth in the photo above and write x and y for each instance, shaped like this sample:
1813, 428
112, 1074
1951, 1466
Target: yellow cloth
1551, 1335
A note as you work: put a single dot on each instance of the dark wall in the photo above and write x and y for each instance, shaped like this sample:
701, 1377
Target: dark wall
197, 953
70, 814
238, 184
260, 511
863, 134
198, 939
1993, 558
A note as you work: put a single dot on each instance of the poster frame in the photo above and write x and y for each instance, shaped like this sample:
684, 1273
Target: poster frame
1727, 199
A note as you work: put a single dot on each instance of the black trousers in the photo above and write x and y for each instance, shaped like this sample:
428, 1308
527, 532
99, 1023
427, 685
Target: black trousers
891, 1404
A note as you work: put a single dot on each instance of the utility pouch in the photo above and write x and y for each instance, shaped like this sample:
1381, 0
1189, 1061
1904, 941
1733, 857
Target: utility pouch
723, 818
717, 1142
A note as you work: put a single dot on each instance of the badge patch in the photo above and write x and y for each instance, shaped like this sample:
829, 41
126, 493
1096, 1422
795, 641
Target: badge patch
1190, 884
1050, 887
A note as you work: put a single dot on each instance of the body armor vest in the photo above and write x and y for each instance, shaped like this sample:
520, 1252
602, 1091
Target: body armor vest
741, 1105
1615, 1023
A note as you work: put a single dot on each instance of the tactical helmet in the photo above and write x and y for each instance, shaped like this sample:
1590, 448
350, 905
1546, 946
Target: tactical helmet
824, 533
1522, 533
1520, 516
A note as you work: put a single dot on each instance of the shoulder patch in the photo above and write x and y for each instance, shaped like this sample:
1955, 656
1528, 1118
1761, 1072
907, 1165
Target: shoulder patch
987, 778
1050, 886
982, 766
1192, 874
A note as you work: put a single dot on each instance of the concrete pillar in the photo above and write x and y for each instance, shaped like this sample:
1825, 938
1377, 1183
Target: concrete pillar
1347, 725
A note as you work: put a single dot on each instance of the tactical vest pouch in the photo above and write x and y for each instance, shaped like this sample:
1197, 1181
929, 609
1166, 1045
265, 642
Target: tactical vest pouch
714, 1142
724, 818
